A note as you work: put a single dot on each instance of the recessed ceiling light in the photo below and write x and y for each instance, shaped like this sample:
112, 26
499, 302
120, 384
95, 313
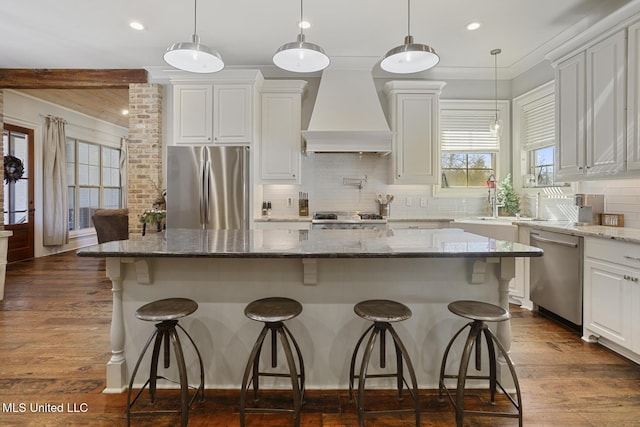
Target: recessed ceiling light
125, 112
473, 26
136, 26
305, 25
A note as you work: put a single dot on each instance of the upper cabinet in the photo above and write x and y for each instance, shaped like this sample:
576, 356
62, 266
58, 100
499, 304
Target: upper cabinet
590, 108
215, 110
633, 101
280, 131
192, 114
232, 114
414, 117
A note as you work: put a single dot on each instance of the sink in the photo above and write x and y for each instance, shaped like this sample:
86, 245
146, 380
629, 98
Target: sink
500, 228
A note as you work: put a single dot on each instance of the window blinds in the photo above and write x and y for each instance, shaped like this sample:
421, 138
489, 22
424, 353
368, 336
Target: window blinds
539, 123
467, 130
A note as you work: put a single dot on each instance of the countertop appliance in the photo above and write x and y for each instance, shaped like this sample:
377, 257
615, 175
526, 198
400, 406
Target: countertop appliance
348, 220
590, 206
208, 187
556, 277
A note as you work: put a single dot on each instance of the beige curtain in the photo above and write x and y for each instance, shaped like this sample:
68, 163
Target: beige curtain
56, 210
124, 155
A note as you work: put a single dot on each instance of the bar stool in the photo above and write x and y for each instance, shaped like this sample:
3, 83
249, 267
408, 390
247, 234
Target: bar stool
273, 312
167, 312
382, 313
479, 313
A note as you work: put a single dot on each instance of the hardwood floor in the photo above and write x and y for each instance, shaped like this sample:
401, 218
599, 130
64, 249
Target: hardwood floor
54, 343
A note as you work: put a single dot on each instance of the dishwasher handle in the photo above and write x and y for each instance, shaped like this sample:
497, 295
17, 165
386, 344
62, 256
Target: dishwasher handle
557, 242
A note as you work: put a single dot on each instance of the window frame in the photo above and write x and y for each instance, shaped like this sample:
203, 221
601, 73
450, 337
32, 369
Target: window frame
503, 156
101, 186
523, 155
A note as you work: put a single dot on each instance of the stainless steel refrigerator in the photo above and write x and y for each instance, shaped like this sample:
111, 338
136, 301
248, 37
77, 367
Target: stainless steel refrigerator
208, 187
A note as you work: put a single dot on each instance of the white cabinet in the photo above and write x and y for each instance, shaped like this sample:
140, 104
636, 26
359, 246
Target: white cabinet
192, 114
612, 294
633, 100
282, 225
232, 114
590, 108
414, 117
280, 131
418, 225
206, 113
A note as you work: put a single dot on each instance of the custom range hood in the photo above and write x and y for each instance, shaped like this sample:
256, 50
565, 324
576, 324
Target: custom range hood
347, 116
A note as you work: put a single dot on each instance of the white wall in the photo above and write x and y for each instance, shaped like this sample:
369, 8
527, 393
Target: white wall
28, 112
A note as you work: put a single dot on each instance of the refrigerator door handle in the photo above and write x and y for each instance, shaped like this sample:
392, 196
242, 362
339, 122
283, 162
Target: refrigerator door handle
207, 193
203, 204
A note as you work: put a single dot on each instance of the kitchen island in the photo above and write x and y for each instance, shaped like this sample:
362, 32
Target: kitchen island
328, 271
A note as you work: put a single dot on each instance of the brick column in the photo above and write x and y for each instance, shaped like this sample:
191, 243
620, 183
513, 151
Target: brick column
144, 173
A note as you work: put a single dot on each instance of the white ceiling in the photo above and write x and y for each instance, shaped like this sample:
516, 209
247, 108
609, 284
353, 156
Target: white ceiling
96, 34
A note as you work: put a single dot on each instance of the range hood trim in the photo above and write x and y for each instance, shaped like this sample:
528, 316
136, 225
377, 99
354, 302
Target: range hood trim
342, 141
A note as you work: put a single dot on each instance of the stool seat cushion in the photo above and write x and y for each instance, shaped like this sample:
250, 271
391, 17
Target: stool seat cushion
273, 309
166, 309
477, 310
382, 310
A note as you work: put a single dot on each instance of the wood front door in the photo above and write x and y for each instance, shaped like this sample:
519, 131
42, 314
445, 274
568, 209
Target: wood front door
18, 191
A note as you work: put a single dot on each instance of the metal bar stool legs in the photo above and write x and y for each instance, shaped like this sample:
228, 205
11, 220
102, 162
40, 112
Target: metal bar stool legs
479, 312
167, 311
273, 312
382, 312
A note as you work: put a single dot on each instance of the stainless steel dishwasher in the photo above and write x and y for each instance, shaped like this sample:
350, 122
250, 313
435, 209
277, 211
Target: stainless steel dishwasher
556, 277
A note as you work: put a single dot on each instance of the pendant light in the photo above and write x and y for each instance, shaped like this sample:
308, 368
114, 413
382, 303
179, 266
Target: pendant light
410, 57
496, 124
193, 56
301, 56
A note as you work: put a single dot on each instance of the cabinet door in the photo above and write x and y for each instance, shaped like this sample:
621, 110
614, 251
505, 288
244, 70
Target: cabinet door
606, 102
192, 117
232, 119
280, 138
633, 101
608, 302
416, 148
570, 124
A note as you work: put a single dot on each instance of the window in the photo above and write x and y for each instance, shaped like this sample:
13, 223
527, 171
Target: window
535, 135
93, 179
469, 151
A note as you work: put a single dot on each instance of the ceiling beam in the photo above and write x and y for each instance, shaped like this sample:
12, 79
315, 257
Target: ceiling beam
24, 78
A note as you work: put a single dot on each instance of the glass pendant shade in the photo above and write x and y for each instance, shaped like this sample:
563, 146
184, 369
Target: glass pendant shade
410, 58
496, 124
301, 56
193, 57
496, 127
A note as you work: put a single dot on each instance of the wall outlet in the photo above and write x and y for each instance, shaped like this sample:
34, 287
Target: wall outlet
409, 201
289, 202
423, 202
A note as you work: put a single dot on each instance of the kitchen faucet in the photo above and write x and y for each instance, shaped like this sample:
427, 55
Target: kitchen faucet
493, 199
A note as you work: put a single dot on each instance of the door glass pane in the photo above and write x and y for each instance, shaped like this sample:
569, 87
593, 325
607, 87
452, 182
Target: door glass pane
17, 191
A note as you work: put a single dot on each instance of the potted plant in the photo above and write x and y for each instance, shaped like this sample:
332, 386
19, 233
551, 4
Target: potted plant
507, 197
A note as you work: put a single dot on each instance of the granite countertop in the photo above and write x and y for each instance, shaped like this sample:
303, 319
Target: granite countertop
626, 234
283, 219
438, 243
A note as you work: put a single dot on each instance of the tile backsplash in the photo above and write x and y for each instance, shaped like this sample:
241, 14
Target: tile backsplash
349, 182
621, 196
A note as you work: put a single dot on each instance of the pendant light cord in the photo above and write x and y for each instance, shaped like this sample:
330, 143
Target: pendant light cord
408, 17
195, 16
301, 17
495, 53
